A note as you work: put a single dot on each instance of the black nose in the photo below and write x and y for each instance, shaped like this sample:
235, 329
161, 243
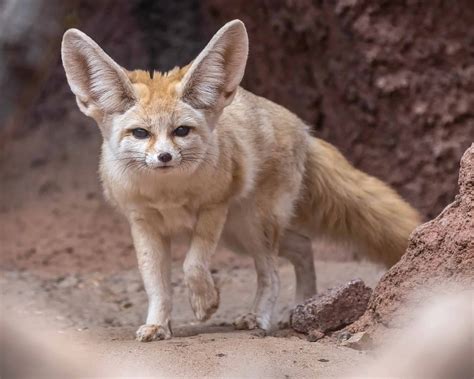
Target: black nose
165, 157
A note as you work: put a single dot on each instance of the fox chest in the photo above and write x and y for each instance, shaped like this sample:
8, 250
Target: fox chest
175, 219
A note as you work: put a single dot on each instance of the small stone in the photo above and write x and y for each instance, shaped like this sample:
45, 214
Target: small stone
333, 309
283, 324
68, 281
359, 341
314, 335
342, 335
220, 355
258, 333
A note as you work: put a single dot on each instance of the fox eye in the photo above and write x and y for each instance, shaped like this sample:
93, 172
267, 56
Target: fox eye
140, 133
181, 131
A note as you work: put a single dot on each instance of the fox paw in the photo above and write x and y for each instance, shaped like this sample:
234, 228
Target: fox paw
246, 322
152, 332
251, 321
203, 294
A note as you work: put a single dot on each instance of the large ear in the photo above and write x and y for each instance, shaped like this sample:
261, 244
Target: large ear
101, 86
214, 76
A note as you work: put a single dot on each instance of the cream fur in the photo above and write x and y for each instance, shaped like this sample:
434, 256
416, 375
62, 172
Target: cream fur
248, 175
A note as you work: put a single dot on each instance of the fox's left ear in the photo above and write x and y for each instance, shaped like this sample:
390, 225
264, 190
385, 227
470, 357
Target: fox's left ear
214, 76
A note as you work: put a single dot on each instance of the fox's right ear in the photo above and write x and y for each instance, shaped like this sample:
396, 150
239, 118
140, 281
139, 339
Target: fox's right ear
101, 86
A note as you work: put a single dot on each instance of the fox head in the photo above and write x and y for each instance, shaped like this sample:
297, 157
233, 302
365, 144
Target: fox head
163, 121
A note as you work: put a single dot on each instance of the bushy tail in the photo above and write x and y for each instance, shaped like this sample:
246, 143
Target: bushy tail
347, 205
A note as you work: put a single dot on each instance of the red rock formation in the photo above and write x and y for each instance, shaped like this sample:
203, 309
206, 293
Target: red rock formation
440, 257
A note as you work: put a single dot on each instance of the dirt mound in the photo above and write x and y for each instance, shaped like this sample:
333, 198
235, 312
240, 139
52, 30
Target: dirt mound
441, 253
388, 82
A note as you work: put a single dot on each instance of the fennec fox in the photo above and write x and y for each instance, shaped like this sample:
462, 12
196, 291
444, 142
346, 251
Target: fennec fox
189, 152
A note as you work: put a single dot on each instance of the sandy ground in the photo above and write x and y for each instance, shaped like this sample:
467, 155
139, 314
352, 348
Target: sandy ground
68, 270
96, 315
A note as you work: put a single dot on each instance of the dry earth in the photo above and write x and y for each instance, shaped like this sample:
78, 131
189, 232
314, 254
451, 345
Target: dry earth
96, 315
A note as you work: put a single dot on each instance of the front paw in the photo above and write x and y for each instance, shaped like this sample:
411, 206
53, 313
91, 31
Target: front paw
251, 321
203, 294
153, 332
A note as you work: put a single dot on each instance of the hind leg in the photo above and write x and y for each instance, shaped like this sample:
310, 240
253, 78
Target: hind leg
261, 240
268, 287
261, 227
297, 249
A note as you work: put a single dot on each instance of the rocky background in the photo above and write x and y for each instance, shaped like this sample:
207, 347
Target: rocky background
390, 83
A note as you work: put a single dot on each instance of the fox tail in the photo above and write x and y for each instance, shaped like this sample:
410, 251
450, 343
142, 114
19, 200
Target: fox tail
345, 204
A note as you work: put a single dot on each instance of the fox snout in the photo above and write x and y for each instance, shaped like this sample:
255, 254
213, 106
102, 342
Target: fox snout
160, 159
162, 153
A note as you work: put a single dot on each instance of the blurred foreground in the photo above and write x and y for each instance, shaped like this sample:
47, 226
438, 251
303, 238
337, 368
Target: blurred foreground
431, 346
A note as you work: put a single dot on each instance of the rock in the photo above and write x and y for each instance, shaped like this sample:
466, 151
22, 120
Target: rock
127, 304
68, 281
332, 310
359, 341
342, 335
440, 253
315, 335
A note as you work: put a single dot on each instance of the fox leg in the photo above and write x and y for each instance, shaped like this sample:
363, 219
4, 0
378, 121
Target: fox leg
265, 255
203, 294
269, 284
297, 249
268, 288
154, 261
